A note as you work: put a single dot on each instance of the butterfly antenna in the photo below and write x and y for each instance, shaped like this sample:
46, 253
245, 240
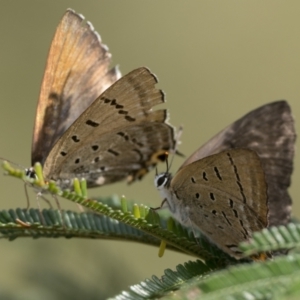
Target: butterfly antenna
167, 164
174, 151
12, 163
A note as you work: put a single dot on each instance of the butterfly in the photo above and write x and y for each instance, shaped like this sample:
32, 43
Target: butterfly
90, 122
237, 182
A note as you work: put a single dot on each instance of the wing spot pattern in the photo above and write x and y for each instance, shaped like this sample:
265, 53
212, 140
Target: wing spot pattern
193, 180
212, 196
224, 215
204, 176
53, 96
115, 153
217, 173
235, 213
92, 123
75, 138
245, 232
122, 134
238, 181
105, 100
116, 104
123, 112
130, 119
95, 147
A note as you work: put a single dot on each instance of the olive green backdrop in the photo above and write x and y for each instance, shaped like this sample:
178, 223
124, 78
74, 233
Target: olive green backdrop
216, 60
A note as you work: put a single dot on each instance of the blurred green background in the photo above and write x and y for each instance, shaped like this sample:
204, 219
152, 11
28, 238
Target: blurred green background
216, 60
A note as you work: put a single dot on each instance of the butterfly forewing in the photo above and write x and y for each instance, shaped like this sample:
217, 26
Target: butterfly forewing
77, 72
269, 131
117, 136
224, 196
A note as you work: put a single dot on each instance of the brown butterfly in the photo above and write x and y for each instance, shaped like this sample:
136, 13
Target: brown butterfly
90, 123
237, 182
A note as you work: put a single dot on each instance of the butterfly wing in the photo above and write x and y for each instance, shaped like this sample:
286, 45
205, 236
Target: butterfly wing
77, 72
269, 131
118, 136
224, 196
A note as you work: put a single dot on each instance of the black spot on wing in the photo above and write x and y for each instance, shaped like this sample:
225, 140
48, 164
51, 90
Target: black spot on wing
115, 153
122, 134
217, 173
92, 123
235, 213
53, 96
130, 119
238, 181
75, 138
224, 215
105, 100
122, 112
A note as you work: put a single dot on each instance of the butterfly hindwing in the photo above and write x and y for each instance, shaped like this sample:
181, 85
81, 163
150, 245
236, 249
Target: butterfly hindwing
224, 196
269, 131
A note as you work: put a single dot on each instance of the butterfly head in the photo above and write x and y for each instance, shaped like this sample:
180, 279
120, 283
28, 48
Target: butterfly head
163, 184
162, 180
30, 173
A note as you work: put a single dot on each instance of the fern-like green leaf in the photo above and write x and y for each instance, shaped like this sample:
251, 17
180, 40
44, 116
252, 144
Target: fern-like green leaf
274, 279
151, 224
273, 239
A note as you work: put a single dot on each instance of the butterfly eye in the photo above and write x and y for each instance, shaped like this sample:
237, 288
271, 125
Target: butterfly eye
162, 179
30, 173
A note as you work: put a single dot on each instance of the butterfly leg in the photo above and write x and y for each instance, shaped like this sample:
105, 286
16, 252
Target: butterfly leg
27, 197
38, 195
60, 212
46, 200
161, 206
